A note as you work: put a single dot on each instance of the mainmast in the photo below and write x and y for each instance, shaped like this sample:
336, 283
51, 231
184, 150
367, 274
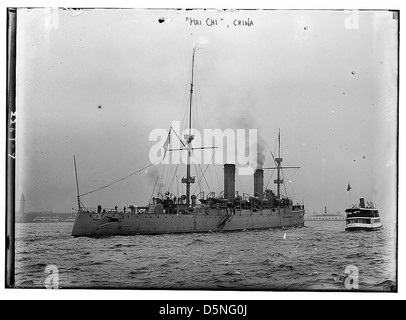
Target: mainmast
189, 137
278, 181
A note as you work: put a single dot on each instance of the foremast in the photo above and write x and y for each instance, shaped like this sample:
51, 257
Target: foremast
189, 138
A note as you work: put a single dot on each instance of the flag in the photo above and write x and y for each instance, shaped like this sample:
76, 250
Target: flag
348, 187
166, 144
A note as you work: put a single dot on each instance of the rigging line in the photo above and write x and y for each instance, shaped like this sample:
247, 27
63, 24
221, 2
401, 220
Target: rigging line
207, 167
284, 185
215, 171
270, 179
173, 178
153, 191
207, 184
294, 193
168, 175
119, 180
201, 101
196, 104
287, 180
199, 111
183, 119
198, 185
290, 177
171, 172
218, 180
240, 183
209, 164
161, 179
291, 187
197, 125
179, 138
203, 173
210, 172
165, 179
177, 186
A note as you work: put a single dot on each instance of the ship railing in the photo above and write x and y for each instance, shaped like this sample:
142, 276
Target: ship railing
128, 210
362, 214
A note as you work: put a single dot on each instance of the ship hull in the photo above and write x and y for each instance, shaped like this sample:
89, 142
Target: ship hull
109, 224
364, 227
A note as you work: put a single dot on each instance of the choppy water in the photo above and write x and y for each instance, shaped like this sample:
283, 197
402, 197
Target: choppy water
310, 258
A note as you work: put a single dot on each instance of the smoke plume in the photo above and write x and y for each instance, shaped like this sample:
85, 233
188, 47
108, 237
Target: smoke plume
247, 122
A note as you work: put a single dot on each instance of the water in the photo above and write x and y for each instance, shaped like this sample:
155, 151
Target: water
312, 258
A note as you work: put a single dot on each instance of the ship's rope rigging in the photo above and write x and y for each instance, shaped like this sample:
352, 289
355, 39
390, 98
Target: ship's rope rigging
291, 187
270, 179
203, 177
127, 176
166, 177
285, 181
121, 179
189, 113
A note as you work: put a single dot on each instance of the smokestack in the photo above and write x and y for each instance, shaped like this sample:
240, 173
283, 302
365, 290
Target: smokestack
259, 182
229, 182
362, 203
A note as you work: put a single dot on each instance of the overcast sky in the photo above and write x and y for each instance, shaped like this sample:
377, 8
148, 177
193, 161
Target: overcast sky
95, 85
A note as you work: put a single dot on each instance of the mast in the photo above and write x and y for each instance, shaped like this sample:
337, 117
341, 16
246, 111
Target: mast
278, 181
77, 183
191, 91
278, 161
189, 137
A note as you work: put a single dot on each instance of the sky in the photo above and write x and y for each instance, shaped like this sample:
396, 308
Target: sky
96, 83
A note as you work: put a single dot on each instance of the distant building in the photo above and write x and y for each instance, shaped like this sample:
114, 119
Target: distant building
47, 212
22, 204
23, 216
326, 216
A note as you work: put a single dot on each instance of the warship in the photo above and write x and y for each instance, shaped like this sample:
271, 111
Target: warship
192, 213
